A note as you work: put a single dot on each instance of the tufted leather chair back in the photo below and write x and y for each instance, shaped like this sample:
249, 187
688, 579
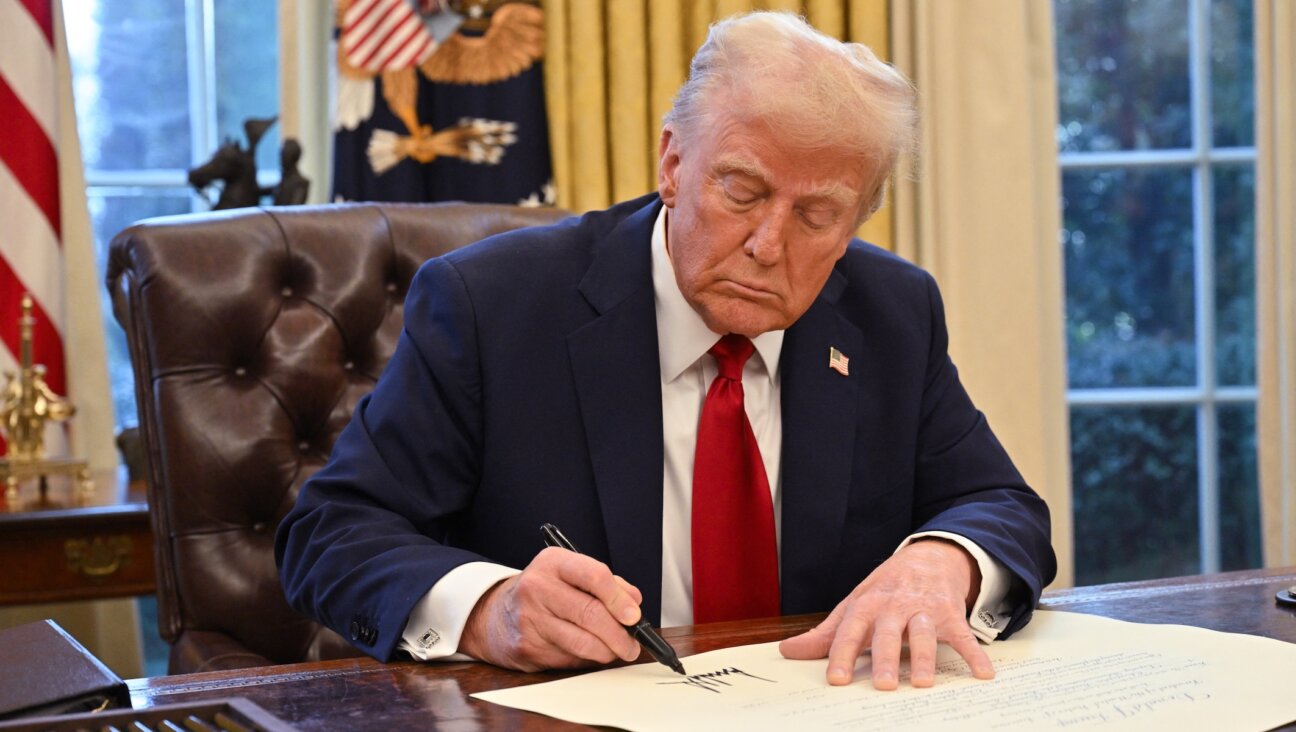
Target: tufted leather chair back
252, 334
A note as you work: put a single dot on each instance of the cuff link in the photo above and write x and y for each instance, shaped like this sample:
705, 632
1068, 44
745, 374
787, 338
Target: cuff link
428, 639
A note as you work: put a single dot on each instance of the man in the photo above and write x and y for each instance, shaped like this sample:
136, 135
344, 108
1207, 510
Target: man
714, 391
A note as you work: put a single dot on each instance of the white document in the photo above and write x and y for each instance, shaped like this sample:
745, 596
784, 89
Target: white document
1063, 671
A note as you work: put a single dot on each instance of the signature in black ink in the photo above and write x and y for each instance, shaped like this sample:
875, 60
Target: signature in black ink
712, 681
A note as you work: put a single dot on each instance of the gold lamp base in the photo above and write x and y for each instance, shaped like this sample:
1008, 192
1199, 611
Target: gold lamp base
15, 471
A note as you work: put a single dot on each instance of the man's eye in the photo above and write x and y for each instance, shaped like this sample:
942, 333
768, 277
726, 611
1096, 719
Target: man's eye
819, 219
739, 196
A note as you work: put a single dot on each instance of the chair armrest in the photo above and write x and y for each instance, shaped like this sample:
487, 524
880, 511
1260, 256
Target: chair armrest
206, 650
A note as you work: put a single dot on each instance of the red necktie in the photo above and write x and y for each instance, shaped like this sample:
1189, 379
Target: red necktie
735, 560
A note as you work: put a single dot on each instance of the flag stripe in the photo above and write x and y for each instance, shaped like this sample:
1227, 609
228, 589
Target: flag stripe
47, 345
412, 53
366, 32
372, 45
27, 64
41, 11
28, 154
358, 14
384, 35
30, 247
401, 37
396, 38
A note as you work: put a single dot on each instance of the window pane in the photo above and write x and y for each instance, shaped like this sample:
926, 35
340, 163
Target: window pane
1134, 476
1127, 241
1239, 488
131, 84
112, 210
1235, 313
1122, 74
1232, 73
247, 72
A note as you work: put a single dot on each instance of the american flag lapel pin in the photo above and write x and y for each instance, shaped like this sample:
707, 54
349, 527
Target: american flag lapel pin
838, 362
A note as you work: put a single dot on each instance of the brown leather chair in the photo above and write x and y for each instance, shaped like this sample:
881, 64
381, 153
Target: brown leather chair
253, 333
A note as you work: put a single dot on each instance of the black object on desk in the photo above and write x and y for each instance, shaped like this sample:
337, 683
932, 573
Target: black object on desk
641, 631
46, 671
1288, 596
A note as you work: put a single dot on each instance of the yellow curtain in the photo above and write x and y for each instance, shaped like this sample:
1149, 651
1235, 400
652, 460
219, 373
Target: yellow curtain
1275, 32
612, 68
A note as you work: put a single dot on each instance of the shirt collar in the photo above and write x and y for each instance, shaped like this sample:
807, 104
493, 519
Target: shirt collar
682, 337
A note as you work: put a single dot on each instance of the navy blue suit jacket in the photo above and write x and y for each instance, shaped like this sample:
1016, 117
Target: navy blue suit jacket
526, 389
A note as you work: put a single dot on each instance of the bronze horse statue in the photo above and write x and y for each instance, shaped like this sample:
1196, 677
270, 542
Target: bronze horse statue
235, 166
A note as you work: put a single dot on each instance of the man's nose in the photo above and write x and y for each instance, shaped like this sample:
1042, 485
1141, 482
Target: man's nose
767, 239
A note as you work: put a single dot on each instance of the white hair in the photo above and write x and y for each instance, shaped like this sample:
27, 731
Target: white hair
812, 89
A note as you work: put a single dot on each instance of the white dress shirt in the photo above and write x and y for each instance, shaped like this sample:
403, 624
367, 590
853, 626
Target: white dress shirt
437, 621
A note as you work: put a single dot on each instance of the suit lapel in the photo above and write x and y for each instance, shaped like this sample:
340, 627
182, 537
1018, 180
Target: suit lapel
618, 383
819, 421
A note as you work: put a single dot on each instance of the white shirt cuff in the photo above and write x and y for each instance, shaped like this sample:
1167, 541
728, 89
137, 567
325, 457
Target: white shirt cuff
991, 611
437, 622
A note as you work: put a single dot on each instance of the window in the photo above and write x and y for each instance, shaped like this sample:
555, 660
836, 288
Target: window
158, 85
1156, 143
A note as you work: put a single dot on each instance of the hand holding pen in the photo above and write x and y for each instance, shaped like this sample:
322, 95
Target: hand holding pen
641, 631
565, 610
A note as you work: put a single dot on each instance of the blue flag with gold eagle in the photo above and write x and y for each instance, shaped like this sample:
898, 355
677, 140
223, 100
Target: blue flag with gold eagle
441, 100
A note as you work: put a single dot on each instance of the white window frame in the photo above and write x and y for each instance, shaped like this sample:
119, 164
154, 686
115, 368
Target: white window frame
1207, 396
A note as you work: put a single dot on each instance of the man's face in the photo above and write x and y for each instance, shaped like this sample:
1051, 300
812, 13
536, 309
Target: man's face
755, 224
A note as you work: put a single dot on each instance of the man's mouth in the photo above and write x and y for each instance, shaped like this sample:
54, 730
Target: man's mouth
748, 291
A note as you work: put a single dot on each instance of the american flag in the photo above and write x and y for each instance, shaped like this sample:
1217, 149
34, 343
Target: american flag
44, 230
386, 35
838, 362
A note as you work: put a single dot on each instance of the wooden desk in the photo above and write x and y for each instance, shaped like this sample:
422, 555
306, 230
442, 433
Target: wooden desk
100, 549
359, 694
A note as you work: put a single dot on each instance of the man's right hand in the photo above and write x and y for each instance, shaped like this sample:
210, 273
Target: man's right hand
565, 610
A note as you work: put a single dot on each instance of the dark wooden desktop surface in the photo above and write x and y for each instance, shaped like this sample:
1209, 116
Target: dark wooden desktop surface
69, 550
362, 694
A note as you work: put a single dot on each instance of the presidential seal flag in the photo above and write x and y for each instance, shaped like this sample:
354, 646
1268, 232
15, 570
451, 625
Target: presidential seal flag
441, 100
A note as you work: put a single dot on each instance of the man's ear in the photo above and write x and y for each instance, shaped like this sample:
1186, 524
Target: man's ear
668, 166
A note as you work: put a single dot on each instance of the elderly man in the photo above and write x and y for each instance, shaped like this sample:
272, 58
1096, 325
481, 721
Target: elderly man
715, 391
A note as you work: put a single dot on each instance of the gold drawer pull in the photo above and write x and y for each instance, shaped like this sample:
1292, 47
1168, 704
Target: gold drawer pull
97, 558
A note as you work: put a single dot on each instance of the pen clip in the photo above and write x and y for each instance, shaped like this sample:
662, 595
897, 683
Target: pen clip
553, 536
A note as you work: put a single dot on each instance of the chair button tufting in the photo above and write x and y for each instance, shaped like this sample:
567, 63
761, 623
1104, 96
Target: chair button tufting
259, 527
303, 446
391, 286
349, 366
286, 292
240, 371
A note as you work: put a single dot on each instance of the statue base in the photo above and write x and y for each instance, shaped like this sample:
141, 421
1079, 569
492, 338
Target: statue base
13, 472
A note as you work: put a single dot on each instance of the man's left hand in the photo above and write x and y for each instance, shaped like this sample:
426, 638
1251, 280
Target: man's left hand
921, 593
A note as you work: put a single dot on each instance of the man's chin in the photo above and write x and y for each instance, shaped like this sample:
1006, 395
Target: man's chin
744, 319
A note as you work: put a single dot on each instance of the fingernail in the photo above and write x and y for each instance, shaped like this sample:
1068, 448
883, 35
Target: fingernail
629, 615
885, 677
838, 674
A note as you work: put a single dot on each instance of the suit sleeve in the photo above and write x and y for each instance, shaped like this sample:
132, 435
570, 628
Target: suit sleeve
366, 538
967, 484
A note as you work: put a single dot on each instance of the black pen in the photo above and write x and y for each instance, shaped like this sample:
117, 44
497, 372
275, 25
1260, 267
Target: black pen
641, 631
